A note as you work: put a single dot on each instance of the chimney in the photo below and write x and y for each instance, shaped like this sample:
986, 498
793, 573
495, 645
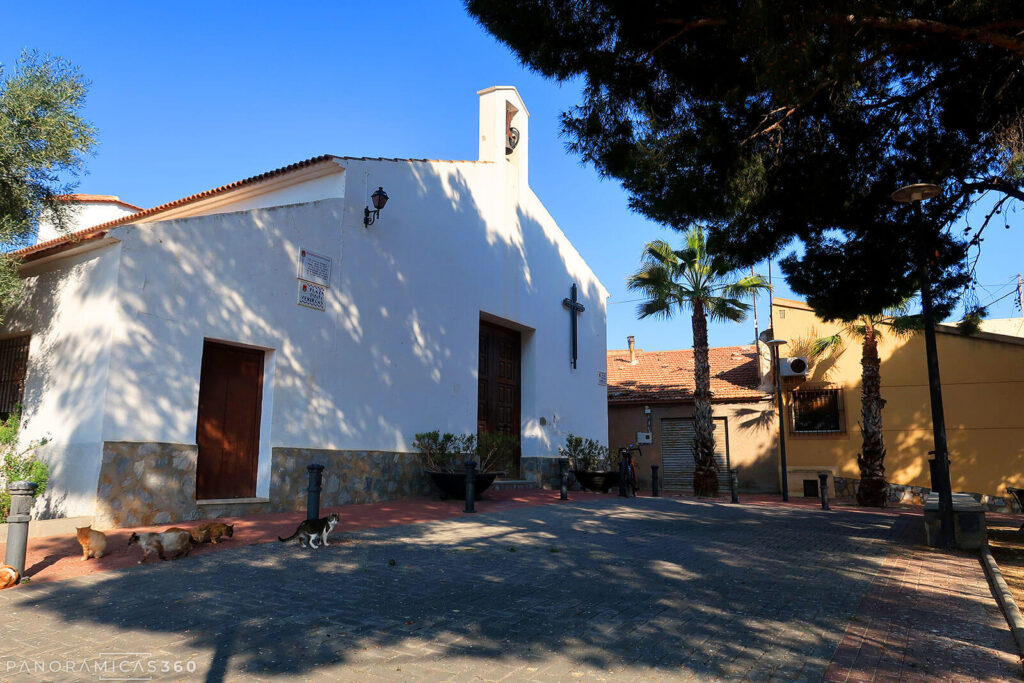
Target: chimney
632, 351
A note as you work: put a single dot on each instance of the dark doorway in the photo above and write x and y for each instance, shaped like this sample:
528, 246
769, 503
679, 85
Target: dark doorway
499, 390
228, 426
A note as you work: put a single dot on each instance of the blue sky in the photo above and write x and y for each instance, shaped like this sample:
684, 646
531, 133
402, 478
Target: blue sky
191, 96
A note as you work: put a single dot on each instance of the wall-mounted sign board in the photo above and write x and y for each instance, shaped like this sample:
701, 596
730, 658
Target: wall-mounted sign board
311, 295
602, 379
315, 268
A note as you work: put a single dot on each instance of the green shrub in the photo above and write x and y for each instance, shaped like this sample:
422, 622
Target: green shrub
585, 455
448, 452
18, 465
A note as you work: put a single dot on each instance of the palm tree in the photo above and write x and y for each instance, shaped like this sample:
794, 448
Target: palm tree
868, 330
694, 279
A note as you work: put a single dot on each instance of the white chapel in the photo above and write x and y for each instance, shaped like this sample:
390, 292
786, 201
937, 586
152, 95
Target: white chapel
191, 359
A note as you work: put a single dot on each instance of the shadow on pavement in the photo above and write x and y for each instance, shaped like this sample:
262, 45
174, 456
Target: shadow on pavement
714, 589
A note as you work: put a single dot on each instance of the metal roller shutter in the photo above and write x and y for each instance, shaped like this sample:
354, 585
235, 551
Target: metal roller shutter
677, 453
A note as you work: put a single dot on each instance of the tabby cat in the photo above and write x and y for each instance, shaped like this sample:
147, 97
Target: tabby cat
94, 543
211, 532
176, 543
311, 529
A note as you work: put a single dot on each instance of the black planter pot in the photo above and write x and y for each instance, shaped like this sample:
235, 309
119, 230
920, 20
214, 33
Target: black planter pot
453, 484
597, 481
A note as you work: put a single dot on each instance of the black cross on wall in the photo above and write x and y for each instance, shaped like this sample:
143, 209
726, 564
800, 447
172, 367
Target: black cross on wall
575, 308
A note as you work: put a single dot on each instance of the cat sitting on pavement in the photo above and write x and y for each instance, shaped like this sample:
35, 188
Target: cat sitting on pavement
312, 529
94, 543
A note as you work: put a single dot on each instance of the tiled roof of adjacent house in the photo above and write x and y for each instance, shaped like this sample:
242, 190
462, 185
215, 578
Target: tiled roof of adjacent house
98, 198
668, 375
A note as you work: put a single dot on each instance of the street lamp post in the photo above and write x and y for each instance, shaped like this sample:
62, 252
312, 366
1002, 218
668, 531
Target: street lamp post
940, 474
775, 344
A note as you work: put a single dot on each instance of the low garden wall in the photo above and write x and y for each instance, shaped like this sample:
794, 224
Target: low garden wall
915, 495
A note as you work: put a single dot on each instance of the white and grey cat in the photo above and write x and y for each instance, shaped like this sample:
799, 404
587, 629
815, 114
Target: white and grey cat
172, 542
312, 529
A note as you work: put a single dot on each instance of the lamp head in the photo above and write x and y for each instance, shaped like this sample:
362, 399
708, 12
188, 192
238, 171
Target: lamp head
917, 192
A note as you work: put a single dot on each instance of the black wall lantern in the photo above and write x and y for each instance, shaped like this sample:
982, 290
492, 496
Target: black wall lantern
379, 199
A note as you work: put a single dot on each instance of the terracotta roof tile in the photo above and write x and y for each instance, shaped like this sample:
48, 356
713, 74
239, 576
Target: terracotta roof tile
97, 230
668, 375
101, 198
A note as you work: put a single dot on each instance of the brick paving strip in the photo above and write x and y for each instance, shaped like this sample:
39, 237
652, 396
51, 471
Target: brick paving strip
929, 615
662, 589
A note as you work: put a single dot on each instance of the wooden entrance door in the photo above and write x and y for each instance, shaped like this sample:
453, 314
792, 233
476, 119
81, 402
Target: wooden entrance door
499, 389
228, 428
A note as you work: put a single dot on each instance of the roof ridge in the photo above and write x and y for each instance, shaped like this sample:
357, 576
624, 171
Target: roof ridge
97, 230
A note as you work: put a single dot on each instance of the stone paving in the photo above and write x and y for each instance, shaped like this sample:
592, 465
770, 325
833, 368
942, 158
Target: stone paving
640, 589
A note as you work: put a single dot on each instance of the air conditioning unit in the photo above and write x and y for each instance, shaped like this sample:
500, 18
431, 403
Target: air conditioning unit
795, 366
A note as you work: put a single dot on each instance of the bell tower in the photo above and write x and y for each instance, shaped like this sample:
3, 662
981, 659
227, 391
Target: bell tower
505, 131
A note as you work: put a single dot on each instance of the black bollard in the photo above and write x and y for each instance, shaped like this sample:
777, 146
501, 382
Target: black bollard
22, 493
316, 478
823, 490
470, 486
622, 477
734, 485
563, 476
654, 481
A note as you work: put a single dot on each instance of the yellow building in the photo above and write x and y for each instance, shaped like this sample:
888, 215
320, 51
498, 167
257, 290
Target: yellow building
982, 392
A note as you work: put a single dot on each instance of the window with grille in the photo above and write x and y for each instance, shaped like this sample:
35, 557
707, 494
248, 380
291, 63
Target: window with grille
13, 364
817, 411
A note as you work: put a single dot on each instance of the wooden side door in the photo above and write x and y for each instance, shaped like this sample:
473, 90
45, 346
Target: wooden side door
500, 387
228, 425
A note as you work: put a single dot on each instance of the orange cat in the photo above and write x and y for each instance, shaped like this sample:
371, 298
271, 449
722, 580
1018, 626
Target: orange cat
94, 543
211, 532
8, 576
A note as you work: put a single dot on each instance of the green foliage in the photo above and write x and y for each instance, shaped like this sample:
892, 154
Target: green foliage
585, 455
43, 144
18, 465
496, 452
692, 277
791, 123
448, 452
896, 320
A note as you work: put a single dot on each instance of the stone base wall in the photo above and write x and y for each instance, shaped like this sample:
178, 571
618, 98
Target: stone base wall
543, 470
146, 484
916, 495
349, 477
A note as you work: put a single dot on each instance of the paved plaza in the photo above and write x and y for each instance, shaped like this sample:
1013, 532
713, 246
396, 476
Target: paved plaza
639, 589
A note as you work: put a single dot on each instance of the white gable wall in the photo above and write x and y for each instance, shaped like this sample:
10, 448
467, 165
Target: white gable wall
306, 189
81, 215
396, 351
70, 311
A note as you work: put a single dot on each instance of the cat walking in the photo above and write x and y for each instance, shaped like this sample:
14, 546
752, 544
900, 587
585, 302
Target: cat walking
211, 532
173, 543
312, 529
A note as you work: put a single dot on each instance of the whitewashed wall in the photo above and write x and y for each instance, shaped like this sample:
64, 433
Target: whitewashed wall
396, 351
70, 312
81, 215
